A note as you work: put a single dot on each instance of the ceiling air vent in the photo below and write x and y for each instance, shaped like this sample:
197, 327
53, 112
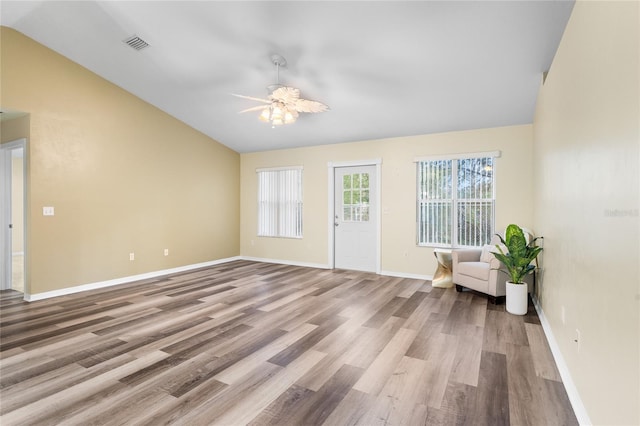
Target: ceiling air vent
136, 42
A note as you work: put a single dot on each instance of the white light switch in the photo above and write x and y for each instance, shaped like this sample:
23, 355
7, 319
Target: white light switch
47, 211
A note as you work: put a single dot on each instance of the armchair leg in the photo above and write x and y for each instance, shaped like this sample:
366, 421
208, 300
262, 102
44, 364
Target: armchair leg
497, 300
459, 288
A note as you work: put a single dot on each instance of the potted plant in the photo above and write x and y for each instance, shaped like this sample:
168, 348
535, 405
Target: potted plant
517, 264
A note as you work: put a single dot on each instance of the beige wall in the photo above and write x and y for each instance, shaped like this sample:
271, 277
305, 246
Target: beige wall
14, 129
586, 146
122, 176
398, 192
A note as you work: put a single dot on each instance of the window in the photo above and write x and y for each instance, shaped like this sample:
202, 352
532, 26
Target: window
355, 197
280, 202
456, 201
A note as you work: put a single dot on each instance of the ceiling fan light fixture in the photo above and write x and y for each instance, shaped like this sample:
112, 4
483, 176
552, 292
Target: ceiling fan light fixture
284, 103
278, 114
276, 110
265, 116
290, 116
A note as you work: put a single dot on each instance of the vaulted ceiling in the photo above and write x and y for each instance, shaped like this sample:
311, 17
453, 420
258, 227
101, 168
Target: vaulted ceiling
385, 68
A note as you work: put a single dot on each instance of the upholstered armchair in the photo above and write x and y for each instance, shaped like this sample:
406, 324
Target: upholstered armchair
477, 269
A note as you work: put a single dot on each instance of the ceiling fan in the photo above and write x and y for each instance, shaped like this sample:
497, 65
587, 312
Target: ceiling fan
283, 104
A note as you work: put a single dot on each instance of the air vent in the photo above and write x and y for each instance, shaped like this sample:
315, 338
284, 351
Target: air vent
136, 42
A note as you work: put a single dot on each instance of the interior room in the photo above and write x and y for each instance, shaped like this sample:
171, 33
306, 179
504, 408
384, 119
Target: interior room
186, 185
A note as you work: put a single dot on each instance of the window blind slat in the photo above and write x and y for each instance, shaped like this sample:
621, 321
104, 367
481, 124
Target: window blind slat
280, 202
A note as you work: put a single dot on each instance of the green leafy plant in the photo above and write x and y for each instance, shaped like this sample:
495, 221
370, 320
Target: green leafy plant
517, 260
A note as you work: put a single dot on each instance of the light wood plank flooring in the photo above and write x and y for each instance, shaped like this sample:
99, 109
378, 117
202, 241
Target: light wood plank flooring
264, 344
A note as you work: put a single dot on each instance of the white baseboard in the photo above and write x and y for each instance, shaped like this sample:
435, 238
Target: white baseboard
325, 266
405, 275
572, 392
124, 280
286, 262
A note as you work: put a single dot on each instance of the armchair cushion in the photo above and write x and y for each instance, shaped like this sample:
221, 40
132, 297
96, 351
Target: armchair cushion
489, 249
486, 253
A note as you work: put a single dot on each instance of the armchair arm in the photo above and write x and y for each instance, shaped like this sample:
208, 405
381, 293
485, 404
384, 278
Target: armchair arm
465, 255
495, 263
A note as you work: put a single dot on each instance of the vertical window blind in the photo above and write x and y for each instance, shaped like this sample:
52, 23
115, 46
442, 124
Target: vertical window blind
280, 202
435, 202
455, 201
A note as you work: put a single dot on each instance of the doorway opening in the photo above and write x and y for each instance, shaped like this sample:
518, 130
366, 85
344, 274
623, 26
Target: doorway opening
12, 192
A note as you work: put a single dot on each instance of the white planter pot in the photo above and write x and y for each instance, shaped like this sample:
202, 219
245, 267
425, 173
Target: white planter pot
517, 301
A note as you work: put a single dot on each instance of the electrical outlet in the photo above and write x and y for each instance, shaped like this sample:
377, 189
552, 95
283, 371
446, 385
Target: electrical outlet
166, 252
132, 256
48, 211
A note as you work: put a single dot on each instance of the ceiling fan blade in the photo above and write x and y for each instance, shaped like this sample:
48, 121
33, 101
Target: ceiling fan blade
305, 105
256, 108
251, 98
286, 95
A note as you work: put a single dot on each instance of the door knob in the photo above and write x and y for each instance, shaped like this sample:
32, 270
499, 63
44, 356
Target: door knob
336, 224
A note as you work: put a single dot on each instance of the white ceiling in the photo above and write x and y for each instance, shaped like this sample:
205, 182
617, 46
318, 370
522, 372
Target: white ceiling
385, 68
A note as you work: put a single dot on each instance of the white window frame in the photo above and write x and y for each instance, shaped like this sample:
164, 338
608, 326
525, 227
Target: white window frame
280, 202
357, 210
454, 195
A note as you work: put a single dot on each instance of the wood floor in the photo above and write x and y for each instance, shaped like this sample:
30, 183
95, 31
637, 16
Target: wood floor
263, 344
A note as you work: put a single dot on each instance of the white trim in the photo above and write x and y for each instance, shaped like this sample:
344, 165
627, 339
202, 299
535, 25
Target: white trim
277, 169
332, 165
332, 208
379, 218
572, 392
405, 275
5, 214
286, 262
355, 163
17, 253
124, 280
6, 178
459, 156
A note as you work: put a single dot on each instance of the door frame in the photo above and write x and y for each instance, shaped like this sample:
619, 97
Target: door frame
332, 166
5, 212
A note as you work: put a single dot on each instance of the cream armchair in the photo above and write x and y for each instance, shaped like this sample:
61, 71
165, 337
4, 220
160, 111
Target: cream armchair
477, 269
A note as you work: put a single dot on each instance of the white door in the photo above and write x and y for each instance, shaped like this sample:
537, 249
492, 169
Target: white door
355, 223
12, 215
